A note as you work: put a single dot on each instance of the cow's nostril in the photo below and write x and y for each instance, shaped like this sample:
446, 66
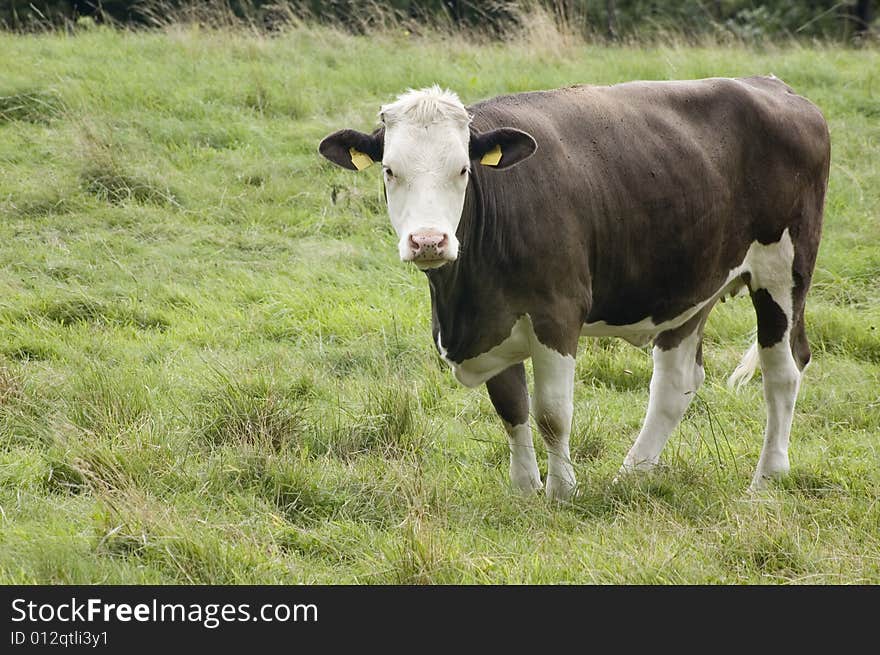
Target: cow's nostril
428, 243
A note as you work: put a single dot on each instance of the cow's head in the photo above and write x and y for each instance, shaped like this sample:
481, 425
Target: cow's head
427, 148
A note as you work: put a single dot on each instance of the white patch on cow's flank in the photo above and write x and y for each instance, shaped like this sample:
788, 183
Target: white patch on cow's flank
770, 268
646, 329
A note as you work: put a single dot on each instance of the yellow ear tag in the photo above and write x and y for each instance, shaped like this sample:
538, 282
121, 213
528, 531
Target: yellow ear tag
492, 157
361, 160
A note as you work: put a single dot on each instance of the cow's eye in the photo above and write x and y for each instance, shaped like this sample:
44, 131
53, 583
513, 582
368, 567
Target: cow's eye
464, 170
388, 172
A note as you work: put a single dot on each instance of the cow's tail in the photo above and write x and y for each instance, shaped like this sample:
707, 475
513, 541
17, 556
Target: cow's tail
746, 369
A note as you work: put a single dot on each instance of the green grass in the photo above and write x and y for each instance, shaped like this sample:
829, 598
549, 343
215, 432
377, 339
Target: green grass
213, 368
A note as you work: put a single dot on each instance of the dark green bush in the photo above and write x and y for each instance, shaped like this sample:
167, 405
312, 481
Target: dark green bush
749, 19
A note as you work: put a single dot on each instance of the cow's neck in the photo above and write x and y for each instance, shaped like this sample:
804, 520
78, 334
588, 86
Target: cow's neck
466, 294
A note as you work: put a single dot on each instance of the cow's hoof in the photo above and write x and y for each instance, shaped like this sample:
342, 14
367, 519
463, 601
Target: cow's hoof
526, 485
634, 470
763, 481
559, 490
773, 468
525, 477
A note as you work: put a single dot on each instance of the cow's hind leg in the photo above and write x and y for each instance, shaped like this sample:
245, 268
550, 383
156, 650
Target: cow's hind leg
781, 383
678, 374
783, 352
782, 348
509, 394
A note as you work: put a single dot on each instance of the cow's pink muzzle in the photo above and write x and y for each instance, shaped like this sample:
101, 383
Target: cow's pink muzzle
428, 246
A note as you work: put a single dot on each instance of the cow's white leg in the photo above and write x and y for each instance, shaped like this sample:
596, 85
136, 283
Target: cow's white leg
524, 474
678, 374
781, 383
509, 394
553, 409
771, 288
782, 378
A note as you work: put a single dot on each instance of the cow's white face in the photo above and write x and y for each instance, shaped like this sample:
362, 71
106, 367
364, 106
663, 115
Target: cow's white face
426, 172
428, 149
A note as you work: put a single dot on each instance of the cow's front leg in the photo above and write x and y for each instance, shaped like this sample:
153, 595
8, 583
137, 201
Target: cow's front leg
554, 403
509, 394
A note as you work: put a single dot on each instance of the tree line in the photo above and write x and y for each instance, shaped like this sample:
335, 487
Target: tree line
612, 19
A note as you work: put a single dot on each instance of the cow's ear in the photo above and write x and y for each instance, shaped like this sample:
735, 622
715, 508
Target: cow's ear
502, 148
352, 149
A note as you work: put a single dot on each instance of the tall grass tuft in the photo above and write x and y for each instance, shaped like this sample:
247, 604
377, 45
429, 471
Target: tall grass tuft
250, 410
105, 175
33, 106
105, 400
417, 556
23, 413
389, 423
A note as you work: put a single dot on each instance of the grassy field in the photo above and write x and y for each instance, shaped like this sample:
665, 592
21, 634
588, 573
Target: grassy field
214, 369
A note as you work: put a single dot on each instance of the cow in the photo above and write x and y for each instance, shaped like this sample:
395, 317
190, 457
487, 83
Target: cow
617, 211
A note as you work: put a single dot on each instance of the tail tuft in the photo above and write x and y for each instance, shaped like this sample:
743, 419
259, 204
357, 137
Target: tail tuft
746, 369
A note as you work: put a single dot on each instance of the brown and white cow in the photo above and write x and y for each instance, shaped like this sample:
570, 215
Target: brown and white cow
622, 211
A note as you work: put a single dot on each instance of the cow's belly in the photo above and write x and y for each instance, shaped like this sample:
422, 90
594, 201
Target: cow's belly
644, 331
764, 261
517, 347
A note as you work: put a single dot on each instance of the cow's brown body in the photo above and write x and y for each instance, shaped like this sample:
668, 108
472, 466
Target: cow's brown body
639, 201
